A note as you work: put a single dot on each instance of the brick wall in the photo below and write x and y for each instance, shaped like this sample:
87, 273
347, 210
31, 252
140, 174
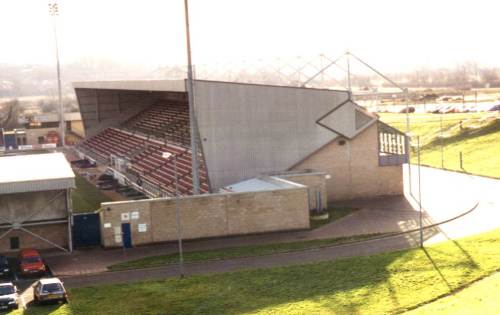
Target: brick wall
56, 233
354, 168
206, 216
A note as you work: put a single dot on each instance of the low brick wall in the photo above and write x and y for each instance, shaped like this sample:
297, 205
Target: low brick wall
204, 216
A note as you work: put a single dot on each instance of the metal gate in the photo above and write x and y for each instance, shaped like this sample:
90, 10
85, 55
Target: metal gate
86, 230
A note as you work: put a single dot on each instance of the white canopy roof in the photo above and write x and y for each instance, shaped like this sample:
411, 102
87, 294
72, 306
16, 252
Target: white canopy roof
35, 172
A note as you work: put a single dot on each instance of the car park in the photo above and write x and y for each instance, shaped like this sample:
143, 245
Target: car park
9, 298
5, 268
495, 108
31, 263
49, 290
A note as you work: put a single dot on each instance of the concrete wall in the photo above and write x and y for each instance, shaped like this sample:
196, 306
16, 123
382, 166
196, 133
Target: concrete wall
56, 233
33, 206
205, 216
354, 168
247, 130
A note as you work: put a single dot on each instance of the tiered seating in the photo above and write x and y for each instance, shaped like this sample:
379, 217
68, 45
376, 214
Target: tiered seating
147, 161
112, 141
163, 120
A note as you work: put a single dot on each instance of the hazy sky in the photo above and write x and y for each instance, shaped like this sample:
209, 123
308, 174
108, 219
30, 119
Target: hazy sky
394, 35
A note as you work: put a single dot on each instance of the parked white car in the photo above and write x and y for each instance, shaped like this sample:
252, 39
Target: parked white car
8, 296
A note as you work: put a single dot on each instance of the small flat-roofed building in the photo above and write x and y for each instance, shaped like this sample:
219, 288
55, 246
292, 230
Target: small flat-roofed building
35, 202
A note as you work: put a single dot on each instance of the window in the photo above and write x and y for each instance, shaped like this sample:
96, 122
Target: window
14, 242
41, 140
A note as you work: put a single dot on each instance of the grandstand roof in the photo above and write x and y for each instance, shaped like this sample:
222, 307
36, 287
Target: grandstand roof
35, 172
141, 85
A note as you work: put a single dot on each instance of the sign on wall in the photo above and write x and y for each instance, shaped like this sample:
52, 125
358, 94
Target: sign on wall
118, 234
125, 216
134, 215
142, 227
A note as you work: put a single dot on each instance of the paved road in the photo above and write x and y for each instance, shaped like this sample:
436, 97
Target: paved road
444, 195
445, 192
292, 258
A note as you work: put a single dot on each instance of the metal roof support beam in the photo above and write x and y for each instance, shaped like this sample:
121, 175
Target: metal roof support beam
322, 70
6, 232
44, 207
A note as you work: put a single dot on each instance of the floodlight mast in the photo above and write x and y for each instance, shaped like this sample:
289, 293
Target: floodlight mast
54, 12
192, 122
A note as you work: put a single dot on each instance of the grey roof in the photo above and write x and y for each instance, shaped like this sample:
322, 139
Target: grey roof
139, 85
260, 184
35, 172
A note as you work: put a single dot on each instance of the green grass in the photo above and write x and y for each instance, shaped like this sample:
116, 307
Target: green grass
380, 284
480, 151
427, 125
479, 298
233, 252
86, 197
335, 213
479, 141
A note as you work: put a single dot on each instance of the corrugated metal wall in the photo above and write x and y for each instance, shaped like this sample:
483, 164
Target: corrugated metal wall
249, 129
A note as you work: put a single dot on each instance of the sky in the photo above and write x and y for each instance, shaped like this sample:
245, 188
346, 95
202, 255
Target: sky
394, 35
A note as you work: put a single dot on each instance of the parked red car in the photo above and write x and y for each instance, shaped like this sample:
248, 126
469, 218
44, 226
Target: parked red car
30, 262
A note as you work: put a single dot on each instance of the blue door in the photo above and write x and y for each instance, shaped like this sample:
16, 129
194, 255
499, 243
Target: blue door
86, 230
127, 238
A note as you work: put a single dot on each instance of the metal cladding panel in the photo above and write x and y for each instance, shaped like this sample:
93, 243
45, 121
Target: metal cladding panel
348, 119
42, 185
247, 130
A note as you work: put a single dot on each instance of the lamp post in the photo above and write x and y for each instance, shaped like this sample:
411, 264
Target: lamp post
167, 155
193, 127
54, 11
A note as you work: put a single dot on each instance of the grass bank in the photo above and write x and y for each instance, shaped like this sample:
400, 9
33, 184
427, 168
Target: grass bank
334, 213
479, 298
234, 252
478, 140
380, 284
86, 197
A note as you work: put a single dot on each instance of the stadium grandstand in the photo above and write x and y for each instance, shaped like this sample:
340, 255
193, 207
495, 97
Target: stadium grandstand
244, 131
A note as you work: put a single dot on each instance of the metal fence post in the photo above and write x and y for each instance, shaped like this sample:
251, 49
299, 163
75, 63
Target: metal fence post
419, 194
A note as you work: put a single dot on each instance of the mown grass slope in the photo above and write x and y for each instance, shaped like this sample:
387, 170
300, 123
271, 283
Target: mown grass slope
381, 284
479, 298
478, 138
86, 197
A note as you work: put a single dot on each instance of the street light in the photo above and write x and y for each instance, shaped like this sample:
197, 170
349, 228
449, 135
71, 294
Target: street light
54, 11
193, 127
168, 155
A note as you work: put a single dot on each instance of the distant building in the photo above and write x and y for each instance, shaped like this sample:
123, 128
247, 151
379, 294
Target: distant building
41, 131
44, 128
